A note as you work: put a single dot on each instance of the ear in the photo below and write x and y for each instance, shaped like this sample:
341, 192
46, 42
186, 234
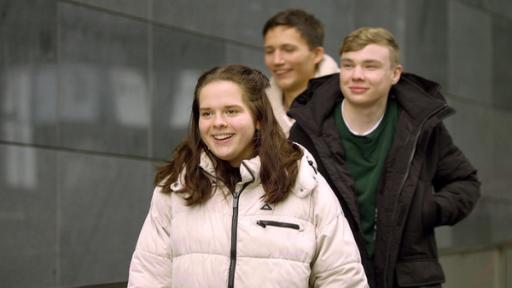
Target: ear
258, 125
397, 72
318, 53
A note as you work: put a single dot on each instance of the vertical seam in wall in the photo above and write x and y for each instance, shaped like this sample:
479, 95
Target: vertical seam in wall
502, 267
58, 214
449, 79
150, 89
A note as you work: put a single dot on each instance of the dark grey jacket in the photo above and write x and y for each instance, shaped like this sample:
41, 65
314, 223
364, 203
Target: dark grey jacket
427, 181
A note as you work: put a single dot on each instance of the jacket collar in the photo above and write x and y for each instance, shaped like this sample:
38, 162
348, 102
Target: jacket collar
420, 98
315, 104
307, 177
417, 96
249, 169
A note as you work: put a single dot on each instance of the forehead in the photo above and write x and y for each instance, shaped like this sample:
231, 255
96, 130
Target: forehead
280, 35
220, 93
371, 52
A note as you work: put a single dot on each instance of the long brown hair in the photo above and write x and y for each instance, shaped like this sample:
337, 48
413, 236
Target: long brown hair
279, 157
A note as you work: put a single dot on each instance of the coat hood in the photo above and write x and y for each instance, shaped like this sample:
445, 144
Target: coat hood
417, 96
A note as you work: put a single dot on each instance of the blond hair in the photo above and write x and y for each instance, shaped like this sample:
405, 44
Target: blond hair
362, 37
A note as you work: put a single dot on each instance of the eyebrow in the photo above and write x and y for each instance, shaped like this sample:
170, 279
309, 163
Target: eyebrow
223, 107
368, 61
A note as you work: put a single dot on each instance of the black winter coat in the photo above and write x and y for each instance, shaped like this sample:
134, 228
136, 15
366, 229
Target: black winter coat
427, 181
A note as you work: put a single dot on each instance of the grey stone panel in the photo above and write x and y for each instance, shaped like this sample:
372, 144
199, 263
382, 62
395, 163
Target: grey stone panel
28, 197
479, 132
502, 59
470, 69
135, 8
473, 269
500, 7
252, 57
27, 72
103, 82
243, 21
235, 20
389, 14
425, 48
103, 203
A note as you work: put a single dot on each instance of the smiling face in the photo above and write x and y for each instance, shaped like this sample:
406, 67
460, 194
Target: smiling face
226, 124
367, 75
289, 58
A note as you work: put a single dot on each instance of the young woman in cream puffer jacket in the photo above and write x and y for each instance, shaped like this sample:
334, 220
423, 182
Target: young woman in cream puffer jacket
240, 206
304, 239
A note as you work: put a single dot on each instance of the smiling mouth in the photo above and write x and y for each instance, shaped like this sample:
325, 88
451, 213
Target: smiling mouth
358, 89
221, 137
281, 72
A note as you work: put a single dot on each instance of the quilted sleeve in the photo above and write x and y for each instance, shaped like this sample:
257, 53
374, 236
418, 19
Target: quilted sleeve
151, 262
337, 262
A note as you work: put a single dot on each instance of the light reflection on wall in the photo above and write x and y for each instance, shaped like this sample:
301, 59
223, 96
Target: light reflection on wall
20, 164
129, 93
83, 103
183, 98
85, 96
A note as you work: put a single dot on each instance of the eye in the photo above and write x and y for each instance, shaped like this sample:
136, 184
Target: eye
205, 114
289, 49
347, 65
269, 51
232, 111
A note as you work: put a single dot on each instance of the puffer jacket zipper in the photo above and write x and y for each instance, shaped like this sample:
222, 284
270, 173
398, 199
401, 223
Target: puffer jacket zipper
234, 230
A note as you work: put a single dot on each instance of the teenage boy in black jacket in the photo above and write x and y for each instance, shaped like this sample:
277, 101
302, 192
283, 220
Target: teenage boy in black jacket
379, 140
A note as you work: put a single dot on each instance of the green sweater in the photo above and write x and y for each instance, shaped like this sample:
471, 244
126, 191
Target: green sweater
365, 157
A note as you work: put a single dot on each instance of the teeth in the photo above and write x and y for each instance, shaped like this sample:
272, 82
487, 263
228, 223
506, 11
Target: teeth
222, 136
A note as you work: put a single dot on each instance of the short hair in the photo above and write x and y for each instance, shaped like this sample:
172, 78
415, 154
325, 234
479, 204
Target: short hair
360, 38
308, 26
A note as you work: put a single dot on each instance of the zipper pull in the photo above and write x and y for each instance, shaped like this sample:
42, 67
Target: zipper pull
310, 162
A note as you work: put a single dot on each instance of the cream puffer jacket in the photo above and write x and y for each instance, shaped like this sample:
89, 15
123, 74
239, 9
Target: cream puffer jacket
241, 241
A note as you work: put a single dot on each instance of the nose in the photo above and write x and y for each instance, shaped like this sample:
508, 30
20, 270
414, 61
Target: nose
219, 120
358, 73
277, 57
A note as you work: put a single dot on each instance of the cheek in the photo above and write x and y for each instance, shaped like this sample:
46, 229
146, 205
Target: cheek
344, 81
268, 60
203, 128
304, 61
248, 126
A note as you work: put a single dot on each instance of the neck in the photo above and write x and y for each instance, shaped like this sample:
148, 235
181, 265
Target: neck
361, 119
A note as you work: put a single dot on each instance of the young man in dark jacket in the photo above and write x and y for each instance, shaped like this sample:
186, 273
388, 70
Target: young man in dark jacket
378, 138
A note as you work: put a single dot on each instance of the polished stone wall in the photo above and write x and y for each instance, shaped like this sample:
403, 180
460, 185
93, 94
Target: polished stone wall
95, 93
